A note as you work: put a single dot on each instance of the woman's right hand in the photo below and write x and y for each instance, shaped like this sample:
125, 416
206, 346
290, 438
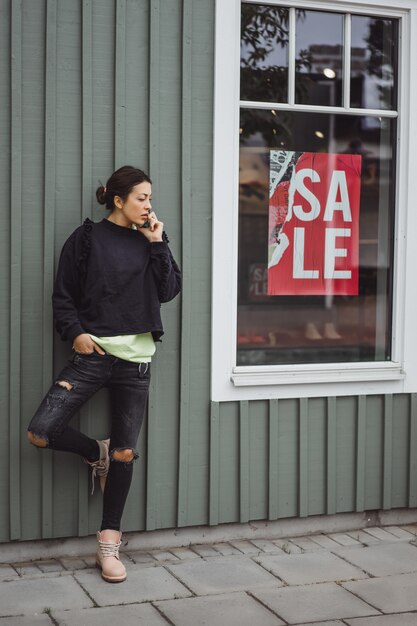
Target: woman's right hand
83, 344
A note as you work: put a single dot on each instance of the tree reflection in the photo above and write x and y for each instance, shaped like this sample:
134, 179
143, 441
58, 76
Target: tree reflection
264, 52
381, 40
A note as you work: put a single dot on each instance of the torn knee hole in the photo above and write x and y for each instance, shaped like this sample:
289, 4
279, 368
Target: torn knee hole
126, 455
65, 384
37, 440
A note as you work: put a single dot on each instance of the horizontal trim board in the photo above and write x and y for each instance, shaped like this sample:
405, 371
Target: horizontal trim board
392, 8
299, 375
312, 108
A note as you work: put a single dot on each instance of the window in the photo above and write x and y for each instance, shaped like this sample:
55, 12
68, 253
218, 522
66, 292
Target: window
314, 195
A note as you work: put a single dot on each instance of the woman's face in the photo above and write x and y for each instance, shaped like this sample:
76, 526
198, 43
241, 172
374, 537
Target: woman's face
135, 209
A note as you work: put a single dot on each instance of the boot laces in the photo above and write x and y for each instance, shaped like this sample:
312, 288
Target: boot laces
109, 549
99, 467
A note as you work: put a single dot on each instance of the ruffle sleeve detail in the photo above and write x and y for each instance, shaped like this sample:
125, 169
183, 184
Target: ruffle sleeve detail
85, 247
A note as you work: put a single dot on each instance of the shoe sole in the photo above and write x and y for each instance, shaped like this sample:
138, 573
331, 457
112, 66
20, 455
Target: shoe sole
110, 579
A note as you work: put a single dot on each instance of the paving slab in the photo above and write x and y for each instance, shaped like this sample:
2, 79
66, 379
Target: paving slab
50, 565
142, 559
37, 594
411, 528
311, 603
312, 567
287, 546
204, 550
325, 542
380, 533
6, 571
246, 547
163, 555
142, 585
127, 615
384, 559
306, 544
397, 619
344, 539
266, 546
363, 537
72, 563
185, 553
27, 569
336, 622
400, 532
226, 549
392, 594
231, 609
26, 620
222, 574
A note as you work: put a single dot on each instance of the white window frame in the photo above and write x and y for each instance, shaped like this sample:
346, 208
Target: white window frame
231, 382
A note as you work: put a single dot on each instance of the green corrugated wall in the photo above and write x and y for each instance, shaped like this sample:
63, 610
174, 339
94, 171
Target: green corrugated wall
86, 86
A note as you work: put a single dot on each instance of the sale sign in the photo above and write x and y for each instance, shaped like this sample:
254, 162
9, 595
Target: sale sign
313, 246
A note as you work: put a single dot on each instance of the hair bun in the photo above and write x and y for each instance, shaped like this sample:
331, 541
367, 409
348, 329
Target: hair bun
101, 195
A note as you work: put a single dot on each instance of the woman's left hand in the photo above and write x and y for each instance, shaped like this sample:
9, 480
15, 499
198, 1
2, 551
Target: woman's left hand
154, 231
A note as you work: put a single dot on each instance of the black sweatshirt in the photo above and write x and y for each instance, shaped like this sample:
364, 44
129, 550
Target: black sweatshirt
111, 281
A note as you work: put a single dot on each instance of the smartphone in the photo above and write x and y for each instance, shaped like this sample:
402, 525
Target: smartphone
145, 224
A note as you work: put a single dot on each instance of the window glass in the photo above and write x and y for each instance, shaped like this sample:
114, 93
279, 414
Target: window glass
319, 58
322, 186
373, 62
264, 53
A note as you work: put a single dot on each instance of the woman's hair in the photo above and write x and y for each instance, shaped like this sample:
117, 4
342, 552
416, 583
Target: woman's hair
120, 183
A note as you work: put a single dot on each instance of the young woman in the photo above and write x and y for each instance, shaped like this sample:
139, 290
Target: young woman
112, 277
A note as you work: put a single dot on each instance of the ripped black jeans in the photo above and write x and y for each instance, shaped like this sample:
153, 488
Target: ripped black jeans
128, 384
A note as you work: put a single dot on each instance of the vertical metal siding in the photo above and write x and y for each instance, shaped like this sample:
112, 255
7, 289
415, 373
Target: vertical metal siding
303, 453
340, 434
387, 477
94, 85
360, 453
5, 228
317, 456
244, 486
412, 453
273, 434
186, 221
15, 267
86, 181
331, 456
48, 244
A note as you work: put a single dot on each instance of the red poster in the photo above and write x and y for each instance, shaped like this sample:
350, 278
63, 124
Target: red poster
313, 243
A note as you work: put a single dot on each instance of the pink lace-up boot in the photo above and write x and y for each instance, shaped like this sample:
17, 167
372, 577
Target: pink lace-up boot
107, 558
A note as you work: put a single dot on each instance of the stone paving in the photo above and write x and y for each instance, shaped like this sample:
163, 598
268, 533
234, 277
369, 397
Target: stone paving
366, 577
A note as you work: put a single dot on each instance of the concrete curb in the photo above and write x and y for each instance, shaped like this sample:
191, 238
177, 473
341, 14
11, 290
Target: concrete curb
17, 551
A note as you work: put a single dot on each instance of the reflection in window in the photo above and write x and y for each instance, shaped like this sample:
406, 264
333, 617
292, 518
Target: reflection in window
319, 58
264, 53
288, 329
373, 62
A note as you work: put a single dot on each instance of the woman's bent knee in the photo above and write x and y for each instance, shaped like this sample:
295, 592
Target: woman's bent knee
124, 455
39, 441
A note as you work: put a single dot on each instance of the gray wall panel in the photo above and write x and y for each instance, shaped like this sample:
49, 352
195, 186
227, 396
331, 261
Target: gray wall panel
5, 219
346, 411
317, 456
400, 442
374, 452
93, 85
32, 206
